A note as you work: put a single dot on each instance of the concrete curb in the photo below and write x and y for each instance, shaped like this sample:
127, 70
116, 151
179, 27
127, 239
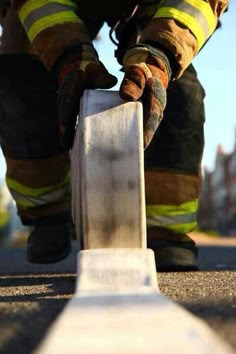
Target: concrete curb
120, 310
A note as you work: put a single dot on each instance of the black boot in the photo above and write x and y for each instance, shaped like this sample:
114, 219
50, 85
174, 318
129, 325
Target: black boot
173, 252
49, 242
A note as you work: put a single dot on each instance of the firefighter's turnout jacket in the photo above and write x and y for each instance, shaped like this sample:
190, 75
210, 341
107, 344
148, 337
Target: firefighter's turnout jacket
38, 173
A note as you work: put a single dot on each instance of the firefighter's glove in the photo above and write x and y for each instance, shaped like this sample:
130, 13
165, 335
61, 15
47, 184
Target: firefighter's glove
77, 72
147, 74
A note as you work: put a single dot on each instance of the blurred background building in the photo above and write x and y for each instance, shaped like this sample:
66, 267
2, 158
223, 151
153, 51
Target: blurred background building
217, 209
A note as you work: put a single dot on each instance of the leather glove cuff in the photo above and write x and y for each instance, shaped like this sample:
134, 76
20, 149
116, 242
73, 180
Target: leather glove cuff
144, 53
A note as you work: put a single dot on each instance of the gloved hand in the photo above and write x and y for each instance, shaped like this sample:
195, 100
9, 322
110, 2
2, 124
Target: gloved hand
76, 72
147, 74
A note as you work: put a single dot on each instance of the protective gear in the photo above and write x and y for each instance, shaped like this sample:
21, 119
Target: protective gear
173, 252
50, 240
29, 137
32, 117
172, 160
181, 27
78, 71
147, 74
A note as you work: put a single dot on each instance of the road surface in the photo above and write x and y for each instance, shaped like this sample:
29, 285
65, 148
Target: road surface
32, 296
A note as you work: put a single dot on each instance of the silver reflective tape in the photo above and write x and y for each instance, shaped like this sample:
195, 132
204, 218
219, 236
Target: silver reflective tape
160, 220
46, 10
190, 10
43, 199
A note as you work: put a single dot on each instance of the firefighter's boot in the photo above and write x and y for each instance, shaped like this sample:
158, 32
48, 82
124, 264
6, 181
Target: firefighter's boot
49, 242
173, 252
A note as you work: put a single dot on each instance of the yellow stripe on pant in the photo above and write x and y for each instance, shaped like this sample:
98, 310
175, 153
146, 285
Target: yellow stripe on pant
178, 218
4, 217
26, 197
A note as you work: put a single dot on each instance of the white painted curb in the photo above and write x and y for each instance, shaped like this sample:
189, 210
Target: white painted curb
118, 309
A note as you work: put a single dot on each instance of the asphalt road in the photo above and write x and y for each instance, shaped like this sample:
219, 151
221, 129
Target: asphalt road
32, 296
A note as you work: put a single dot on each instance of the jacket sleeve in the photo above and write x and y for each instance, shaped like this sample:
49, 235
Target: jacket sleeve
52, 26
183, 26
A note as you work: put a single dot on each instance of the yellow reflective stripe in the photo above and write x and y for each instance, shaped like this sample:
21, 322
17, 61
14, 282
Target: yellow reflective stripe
168, 210
38, 15
179, 218
182, 229
163, 220
35, 192
4, 217
50, 21
206, 10
51, 197
196, 15
186, 20
32, 5
47, 10
24, 204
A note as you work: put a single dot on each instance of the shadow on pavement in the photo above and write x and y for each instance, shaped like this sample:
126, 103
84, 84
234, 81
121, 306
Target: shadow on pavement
217, 257
220, 316
28, 305
31, 297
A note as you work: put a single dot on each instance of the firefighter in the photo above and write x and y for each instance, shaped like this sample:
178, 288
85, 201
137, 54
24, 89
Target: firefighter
48, 59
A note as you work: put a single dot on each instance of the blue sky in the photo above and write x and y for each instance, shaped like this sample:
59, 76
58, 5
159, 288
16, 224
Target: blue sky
217, 72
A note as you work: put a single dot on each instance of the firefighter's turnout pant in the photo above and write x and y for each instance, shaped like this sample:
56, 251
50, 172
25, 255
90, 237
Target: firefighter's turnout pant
38, 169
